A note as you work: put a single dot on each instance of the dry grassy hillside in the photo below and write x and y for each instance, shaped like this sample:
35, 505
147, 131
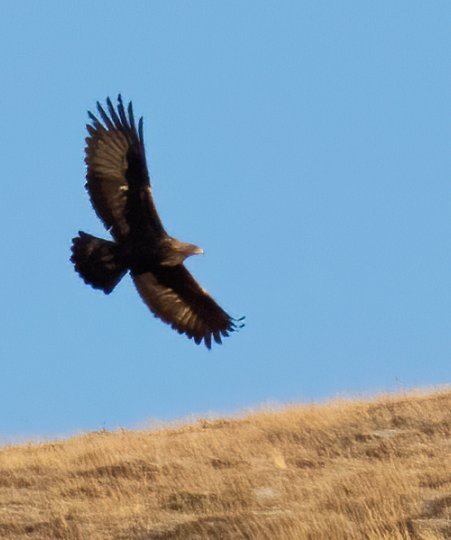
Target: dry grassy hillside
347, 469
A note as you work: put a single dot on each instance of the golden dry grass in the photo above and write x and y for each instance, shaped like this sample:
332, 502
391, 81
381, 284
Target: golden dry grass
348, 469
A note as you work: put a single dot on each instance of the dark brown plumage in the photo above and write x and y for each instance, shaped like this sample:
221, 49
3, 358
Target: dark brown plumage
119, 187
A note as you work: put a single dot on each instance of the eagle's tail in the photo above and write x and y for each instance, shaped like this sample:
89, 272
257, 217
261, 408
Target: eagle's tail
97, 261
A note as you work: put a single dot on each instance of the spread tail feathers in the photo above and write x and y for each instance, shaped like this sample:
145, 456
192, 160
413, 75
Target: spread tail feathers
97, 261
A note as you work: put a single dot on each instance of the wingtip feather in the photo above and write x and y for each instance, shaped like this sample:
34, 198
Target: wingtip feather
207, 340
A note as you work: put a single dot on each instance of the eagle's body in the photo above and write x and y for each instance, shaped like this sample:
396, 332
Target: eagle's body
119, 187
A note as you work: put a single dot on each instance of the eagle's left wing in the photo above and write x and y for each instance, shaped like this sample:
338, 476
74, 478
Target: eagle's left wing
174, 296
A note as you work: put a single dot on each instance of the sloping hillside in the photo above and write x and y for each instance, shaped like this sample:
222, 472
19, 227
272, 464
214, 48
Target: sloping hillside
347, 469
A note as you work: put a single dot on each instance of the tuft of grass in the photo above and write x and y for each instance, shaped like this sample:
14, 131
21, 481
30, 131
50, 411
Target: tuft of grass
377, 469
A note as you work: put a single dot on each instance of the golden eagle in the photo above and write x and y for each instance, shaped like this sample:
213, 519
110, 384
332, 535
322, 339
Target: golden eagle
119, 187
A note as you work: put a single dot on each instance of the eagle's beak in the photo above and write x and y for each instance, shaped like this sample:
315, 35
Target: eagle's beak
198, 251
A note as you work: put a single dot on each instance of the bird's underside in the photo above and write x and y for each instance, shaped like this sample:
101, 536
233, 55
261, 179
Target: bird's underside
119, 188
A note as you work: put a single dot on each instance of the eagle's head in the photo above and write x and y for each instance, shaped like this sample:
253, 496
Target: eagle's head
174, 251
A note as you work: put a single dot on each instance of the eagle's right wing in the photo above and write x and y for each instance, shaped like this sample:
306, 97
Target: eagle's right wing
117, 177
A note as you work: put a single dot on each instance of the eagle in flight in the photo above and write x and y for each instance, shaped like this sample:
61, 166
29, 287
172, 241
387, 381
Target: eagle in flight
119, 188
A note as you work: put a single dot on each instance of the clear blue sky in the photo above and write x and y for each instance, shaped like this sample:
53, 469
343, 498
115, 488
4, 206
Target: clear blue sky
304, 145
